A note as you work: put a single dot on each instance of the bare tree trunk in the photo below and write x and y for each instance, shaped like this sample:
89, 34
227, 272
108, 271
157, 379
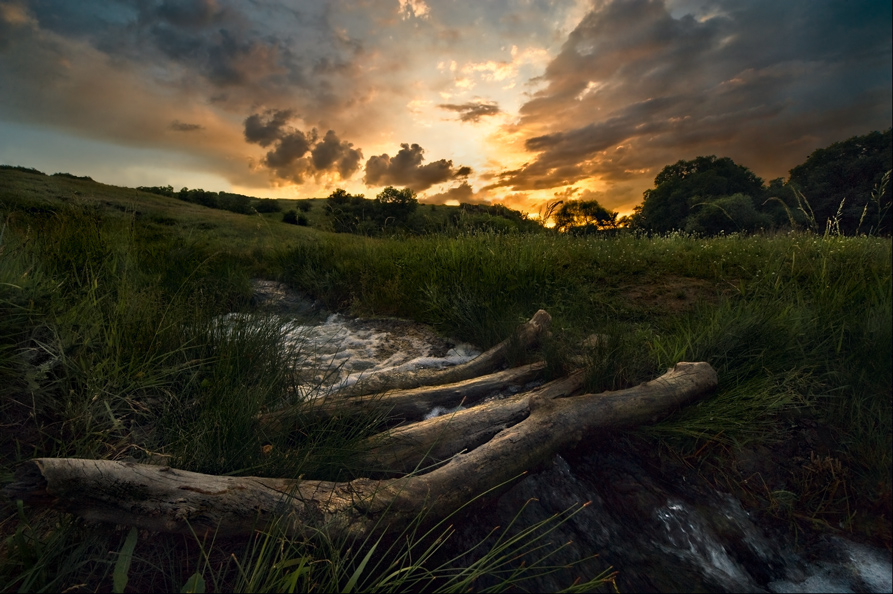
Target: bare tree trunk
168, 500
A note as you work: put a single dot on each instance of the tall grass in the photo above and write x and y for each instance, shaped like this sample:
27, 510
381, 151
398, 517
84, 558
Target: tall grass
114, 343
795, 324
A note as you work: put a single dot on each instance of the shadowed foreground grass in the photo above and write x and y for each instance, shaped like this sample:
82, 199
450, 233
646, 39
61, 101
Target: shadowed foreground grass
112, 346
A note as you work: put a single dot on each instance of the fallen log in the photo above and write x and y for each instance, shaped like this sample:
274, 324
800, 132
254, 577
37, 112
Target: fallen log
164, 499
412, 447
527, 336
404, 405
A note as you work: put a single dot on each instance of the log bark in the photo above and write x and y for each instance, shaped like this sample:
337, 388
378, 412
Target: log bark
413, 447
169, 500
405, 405
528, 335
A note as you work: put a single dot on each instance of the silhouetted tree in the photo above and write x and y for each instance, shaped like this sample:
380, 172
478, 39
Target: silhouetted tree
584, 216
395, 205
159, 190
848, 172
680, 186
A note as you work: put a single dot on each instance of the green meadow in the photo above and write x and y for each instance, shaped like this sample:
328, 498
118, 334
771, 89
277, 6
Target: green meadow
110, 348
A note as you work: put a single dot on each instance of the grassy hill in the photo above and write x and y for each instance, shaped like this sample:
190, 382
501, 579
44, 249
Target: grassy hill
110, 347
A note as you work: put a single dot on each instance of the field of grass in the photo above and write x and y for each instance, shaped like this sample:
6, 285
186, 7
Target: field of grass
111, 348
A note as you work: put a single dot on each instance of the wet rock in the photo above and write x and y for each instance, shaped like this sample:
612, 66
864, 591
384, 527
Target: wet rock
663, 532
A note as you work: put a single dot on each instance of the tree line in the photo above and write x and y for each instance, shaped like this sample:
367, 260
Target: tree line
843, 188
237, 203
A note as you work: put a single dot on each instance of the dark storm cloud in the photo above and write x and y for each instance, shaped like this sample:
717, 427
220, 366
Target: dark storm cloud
635, 88
290, 147
406, 169
265, 129
296, 155
256, 53
332, 153
179, 126
472, 111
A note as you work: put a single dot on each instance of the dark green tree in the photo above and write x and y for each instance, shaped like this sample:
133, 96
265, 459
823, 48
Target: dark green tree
394, 206
848, 173
678, 187
727, 213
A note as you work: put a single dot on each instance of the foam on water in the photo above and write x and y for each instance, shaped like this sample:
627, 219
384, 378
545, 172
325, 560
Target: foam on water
851, 567
340, 351
845, 567
689, 537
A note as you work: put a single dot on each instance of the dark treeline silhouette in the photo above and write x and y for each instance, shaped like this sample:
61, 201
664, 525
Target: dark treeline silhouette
34, 171
842, 189
398, 212
238, 203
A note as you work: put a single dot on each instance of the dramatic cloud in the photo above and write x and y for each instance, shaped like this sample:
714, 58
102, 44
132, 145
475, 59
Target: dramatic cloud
406, 169
267, 128
457, 194
472, 111
635, 88
331, 153
596, 94
289, 159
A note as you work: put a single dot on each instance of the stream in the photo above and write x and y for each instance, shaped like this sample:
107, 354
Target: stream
658, 531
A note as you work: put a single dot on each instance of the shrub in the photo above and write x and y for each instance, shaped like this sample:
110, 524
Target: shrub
266, 205
729, 214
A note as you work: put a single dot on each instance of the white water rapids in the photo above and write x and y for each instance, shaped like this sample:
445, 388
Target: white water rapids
340, 351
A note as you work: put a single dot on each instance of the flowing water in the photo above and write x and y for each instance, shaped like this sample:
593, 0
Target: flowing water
656, 530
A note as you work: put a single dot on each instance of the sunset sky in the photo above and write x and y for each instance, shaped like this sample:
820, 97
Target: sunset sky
497, 100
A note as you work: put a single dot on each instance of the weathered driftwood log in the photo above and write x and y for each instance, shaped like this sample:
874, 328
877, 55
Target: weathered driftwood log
405, 405
527, 336
412, 447
168, 500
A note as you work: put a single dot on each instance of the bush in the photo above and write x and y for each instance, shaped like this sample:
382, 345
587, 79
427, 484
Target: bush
728, 214
30, 170
291, 217
71, 176
266, 205
160, 190
236, 203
